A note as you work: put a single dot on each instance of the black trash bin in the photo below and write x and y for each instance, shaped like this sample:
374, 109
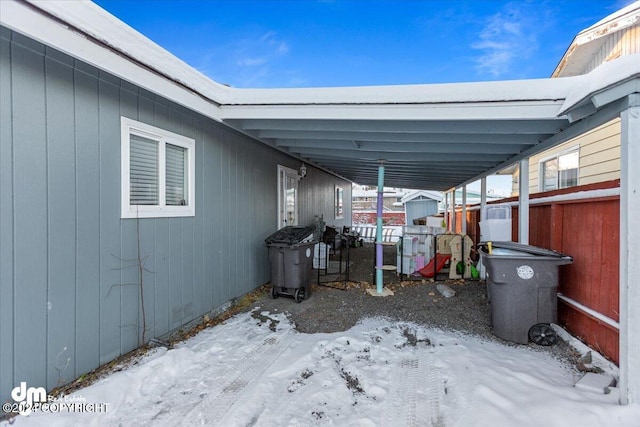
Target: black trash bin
522, 285
291, 260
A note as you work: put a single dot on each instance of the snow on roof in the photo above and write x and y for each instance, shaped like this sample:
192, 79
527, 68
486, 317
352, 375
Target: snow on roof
599, 80
86, 18
91, 21
95, 22
434, 195
510, 90
630, 12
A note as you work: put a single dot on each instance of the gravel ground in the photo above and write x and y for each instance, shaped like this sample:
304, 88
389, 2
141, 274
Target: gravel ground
329, 309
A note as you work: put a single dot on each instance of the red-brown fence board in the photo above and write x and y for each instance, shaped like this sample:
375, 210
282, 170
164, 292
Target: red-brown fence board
599, 336
539, 221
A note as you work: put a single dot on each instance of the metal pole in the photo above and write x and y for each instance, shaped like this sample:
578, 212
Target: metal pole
453, 211
464, 210
523, 203
379, 271
446, 211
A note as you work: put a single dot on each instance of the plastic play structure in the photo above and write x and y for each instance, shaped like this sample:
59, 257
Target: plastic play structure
436, 264
449, 247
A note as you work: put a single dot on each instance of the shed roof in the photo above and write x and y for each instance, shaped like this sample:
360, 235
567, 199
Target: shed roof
433, 195
433, 136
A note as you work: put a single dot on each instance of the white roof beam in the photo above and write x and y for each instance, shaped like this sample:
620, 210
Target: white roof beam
377, 155
532, 110
398, 147
444, 169
440, 138
469, 166
426, 170
607, 96
549, 125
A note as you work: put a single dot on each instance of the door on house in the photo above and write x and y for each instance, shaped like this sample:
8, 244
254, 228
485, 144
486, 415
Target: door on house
287, 196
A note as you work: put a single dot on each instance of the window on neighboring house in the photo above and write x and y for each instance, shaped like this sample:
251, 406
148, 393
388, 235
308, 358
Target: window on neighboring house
560, 171
157, 172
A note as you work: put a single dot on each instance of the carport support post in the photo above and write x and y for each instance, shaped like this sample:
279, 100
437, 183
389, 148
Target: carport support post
483, 200
453, 211
483, 193
523, 203
379, 271
445, 210
464, 209
629, 251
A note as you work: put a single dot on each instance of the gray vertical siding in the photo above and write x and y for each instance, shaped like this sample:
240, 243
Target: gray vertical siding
317, 197
62, 217
6, 219
30, 228
69, 294
109, 191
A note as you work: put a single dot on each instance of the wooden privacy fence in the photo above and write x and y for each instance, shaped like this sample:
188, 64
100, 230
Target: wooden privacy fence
583, 222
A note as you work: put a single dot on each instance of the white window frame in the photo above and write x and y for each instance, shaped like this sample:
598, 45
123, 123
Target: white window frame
557, 156
338, 202
129, 126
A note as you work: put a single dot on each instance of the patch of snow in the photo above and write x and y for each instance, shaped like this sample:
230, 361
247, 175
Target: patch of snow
597, 383
263, 373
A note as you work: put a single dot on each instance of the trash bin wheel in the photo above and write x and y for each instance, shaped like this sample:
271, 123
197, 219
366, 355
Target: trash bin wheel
274, 292
299, 295
542, 334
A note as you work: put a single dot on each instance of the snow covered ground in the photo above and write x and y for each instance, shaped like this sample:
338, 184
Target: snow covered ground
379, 373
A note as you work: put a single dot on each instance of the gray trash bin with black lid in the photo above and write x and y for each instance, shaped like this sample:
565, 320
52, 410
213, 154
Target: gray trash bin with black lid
522, 285
291, 260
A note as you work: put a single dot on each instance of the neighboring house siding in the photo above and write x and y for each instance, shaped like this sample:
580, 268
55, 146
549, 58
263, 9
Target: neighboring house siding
600, 148
620, 43
388, 202
599, 156
69, 294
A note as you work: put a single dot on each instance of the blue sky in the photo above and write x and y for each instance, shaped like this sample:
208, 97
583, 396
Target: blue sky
269, 43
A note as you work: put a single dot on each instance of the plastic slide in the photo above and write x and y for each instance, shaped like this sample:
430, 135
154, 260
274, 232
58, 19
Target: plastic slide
438, 261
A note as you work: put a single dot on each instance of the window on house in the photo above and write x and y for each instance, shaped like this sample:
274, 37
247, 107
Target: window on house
339, 194
560, 171
157, 172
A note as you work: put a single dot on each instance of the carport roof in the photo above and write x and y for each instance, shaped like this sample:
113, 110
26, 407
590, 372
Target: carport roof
432, 137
